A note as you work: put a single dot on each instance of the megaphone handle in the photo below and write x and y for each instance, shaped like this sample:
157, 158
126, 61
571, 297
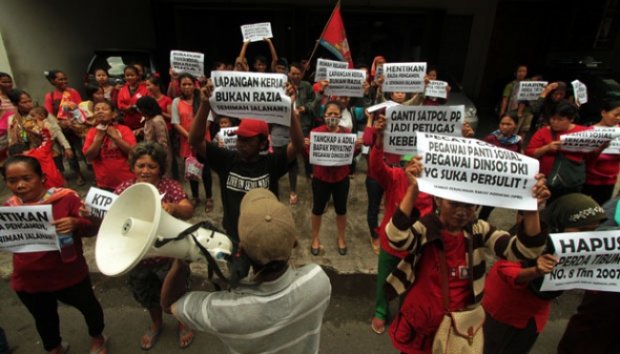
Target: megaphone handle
213, 267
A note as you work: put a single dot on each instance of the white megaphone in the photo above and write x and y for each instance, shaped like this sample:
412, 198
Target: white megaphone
135, 221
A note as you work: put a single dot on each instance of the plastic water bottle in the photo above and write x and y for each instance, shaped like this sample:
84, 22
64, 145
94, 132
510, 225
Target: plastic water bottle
67, 247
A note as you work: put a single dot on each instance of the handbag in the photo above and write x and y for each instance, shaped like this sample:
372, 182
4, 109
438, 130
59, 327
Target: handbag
193, 168
566, 176
459, 331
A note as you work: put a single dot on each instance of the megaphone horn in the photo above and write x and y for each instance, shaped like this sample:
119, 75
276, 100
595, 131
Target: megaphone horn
136, 221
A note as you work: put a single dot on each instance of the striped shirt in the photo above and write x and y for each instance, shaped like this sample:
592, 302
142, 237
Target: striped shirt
410, 234
280, 316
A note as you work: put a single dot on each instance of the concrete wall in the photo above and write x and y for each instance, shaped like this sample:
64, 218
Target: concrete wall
43, 35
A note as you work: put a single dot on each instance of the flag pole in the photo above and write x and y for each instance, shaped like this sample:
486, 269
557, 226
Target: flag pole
316, 45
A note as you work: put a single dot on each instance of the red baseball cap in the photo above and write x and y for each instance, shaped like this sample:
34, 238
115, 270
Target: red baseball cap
250, 128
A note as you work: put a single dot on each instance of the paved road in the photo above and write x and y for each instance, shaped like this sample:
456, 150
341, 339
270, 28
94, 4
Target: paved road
346, 328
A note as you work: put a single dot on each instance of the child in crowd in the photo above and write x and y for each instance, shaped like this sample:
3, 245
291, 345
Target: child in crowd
127, 98
94, 94
155, 127
504, 137
103, 80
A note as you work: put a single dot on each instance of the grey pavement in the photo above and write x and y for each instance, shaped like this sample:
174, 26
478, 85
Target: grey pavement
346, 326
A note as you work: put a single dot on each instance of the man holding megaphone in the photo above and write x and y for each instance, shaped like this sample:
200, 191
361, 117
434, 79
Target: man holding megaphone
278, 308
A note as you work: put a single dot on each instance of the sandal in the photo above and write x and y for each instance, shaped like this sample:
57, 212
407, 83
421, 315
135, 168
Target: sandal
209, 205
102, 349
293, 199
151, 336
375, 246
377, 325
80, 181
64, 347
186, 336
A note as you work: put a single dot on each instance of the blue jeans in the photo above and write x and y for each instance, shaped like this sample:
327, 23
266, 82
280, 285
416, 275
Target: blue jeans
375, 193
4, 344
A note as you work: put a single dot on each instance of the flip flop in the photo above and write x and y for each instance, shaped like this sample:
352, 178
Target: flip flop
65, 347
153, 336
103, 349
183, 332
209, 205
378, 328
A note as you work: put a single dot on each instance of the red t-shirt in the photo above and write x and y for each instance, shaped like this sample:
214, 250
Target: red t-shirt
45, 271
330, 174
111, 165
543, 137
125, 101
511, 303
164, 102
602, 170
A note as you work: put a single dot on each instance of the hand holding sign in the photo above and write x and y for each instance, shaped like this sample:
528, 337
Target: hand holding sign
540, 191
545, 263
65, 225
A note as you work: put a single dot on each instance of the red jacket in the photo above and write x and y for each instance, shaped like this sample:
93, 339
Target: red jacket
394, 182
45, 271
126, 102
511, 303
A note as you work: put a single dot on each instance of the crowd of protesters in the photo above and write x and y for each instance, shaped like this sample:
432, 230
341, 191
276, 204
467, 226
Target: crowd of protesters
136, 133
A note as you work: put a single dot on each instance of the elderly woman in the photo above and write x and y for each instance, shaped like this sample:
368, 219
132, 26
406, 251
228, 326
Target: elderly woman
148, 163
451, 240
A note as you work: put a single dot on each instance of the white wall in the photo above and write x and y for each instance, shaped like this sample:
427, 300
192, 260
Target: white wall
44, 35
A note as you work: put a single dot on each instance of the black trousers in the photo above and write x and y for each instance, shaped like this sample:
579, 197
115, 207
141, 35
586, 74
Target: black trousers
44, 308
500, 338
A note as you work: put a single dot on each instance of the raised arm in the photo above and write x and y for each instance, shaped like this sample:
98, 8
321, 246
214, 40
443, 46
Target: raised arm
274, 54
199, 125
297, 136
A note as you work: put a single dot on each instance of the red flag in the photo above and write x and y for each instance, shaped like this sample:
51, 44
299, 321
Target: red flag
334, 37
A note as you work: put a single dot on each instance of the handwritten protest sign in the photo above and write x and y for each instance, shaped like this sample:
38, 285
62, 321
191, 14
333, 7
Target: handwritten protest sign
404, 77
380, 106
331, 149
256, 32
322, 65
530, 90
587, 260
588, 140
27, 229
255, 95
472, 171
346, 82
229, 137
581, 92
436, 88
98, 201
404, 121
187, 62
